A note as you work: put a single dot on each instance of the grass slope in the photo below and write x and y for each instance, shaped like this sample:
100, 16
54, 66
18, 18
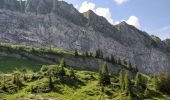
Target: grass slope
9, 64
87, 88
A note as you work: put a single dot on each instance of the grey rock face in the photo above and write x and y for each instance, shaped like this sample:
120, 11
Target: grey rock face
56, 23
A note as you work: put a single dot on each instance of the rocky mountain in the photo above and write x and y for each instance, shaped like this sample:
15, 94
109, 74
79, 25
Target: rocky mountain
56, 23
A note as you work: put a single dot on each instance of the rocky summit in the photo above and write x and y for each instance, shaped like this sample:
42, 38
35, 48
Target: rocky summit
56, 23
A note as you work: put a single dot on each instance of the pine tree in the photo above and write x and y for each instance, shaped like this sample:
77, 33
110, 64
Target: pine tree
101, 54
121, 80
72, 73
127, 83
138, 80
135, 68
62, 65
87, 55
50, 83
112, 59
97, 53
76, 53
104, 78
16, 79
125, 62
129, 65
155, 82
119, 61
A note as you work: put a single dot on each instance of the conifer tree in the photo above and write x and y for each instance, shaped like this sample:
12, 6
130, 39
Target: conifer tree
62, 65
16, 79
127, 83
135, 68
125, 62
50, 83
121, 80
118, 61
104, 78
139, 82
129, 65
112, 59
76, 53
72, 73
86, 54
97, 53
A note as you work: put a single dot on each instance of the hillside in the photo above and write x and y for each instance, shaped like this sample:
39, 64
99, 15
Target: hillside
20, 56
74, 84
52, 73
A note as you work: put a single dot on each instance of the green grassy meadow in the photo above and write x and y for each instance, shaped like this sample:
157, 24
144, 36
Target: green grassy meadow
9, 64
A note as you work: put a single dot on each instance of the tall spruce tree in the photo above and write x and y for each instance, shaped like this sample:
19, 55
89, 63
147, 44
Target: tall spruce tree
62, 65
50, 82
129, 65
104, 78
135, 68
76, 53
139, 82
119, 61
112, 59
121, 80
127, 83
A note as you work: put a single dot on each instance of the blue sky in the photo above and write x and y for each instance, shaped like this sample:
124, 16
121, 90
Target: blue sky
152, 16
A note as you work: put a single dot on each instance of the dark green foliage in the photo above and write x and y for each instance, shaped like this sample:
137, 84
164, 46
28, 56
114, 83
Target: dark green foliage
16, 79
104, 77
107, 59
87, 54
129, 65
76, 53
147, 92
91, 54
50, 83
121, 80
119, 61
50, 70
62, 63
72, 74
102, 89
162, 82
135, 68
124, 62
140, 82
127, 82
98, 54
61, 70
112, 59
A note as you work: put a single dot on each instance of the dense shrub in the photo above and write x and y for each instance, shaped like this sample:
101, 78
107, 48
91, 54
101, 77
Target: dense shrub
162, 82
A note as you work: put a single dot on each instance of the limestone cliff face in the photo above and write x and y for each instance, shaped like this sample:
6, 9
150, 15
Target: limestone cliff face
56, 23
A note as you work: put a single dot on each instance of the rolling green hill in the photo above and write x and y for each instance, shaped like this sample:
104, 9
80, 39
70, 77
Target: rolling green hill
32, 73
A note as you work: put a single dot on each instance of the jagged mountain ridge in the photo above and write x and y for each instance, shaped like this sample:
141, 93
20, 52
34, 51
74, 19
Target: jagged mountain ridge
56, 23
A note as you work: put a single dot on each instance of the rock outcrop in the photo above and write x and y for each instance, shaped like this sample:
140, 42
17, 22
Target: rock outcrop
56, 23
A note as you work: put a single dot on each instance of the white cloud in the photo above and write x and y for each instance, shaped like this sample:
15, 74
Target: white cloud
85, 6
133, 20
105, 12
76, 6
120, 1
